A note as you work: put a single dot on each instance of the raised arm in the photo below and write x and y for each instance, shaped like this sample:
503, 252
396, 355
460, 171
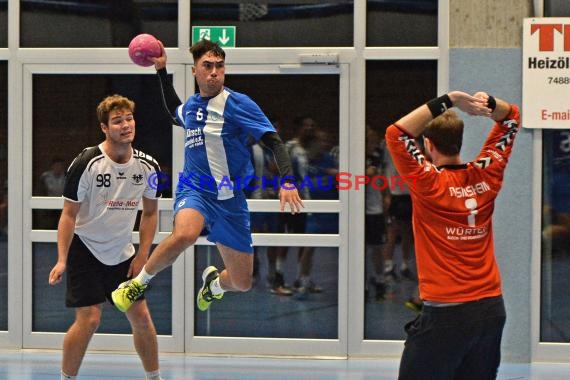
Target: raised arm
170, 99
416, 121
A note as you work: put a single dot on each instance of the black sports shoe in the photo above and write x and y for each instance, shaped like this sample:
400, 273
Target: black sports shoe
278, 285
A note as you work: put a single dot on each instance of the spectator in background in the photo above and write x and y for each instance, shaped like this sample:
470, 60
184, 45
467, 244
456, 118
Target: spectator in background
265, 170
51, 185
304, 127
321, 174
53, 180
399, 228
556, 226
374, 226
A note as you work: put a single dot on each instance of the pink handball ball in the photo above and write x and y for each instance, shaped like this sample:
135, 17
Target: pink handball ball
143, 46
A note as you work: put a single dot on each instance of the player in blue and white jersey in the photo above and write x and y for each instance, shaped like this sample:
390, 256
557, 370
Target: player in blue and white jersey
103, 189
219, 124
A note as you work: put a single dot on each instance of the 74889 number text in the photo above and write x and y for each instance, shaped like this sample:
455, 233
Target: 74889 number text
558, 80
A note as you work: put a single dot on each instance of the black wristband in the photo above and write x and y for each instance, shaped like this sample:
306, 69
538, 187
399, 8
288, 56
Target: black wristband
491, 103
439, 105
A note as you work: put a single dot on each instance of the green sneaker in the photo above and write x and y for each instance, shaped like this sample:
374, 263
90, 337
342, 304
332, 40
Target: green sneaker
205, 296
414, 305
127, 293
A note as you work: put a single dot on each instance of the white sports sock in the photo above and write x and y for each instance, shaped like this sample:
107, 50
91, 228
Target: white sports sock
153, 375
216, 287
64, 376
143, 277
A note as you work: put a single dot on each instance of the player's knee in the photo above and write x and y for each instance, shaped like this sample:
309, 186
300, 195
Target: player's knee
139, 315
90, 323
141, 321
184, 240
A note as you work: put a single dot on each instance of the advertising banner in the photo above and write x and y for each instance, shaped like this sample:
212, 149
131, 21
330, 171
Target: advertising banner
546, 73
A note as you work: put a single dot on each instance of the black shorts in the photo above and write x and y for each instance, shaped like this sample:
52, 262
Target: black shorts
374, 229
455, 342
401, 208
89, 281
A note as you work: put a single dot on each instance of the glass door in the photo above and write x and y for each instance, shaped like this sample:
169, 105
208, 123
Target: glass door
298, 303
60, 121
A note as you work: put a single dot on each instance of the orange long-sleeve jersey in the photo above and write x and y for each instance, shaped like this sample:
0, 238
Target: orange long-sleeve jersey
452, 214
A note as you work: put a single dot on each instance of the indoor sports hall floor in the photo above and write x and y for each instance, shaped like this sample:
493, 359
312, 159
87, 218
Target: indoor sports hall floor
44, 365
385, 320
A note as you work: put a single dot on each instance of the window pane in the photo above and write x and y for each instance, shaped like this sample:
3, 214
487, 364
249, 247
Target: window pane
388, 291
64, 123
277, 23
45, 219
269, 312
3, 196
393, 88
555, 326
310, 131
556, 8
49, 313
4, 24
3, 283
555, 268
303, 223
96, 23
405, 23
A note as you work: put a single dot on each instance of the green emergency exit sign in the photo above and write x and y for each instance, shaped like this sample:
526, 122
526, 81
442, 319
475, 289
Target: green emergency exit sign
225, 36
